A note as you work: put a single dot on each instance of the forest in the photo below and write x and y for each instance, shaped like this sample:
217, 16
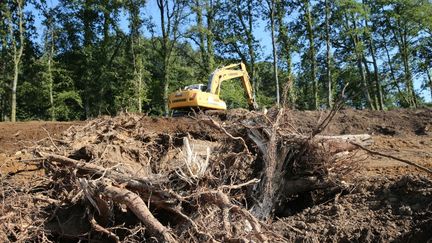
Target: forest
74, 59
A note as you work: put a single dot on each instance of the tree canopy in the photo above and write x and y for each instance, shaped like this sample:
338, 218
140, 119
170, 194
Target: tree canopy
75, 60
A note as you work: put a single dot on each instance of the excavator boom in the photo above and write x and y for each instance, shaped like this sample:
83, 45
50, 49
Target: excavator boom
230, 72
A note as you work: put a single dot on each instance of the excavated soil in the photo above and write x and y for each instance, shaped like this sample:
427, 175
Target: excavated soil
384, 200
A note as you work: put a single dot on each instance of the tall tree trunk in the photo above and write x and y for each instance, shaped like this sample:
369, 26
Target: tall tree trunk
428, 73
197, 8
135, 24
170, 18
392, 72
251, 47
104, 62
165, 90
138, 70
87, 42
378, 94
205, 11
271, 6
50, 76
210, 46
310, 36
371, 89
3, 108
359, 59
328, 65
17, 54
14, 89
140, 79
165, 84
401, 38
376, 76
407, 69
398, 36
288, 98
364, 81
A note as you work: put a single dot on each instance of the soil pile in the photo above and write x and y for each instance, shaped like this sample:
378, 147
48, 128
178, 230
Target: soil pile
233, 176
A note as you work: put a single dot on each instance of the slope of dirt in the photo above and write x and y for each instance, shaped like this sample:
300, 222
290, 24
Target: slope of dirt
349, 121
403, 122
16, 136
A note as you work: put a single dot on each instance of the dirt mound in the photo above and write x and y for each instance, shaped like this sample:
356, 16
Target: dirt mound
16, 136
228, 176
348, 121
189, 179
19, 135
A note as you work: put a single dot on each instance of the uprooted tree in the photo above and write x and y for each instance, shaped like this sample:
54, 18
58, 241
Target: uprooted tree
219, 182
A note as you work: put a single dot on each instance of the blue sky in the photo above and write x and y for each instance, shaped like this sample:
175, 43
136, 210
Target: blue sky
260, 32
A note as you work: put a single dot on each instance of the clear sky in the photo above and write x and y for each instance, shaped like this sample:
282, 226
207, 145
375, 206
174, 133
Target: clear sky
151, 10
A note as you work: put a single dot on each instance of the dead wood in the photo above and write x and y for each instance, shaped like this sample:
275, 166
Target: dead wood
395, 158
222, 200
146, 187
271, 157
181, 191
294, 163
219, 126
101, 229
135, 203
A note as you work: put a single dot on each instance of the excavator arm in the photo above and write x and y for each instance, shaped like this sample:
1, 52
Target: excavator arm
230, 72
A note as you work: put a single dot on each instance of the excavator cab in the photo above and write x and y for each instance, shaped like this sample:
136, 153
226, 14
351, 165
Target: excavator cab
201, 87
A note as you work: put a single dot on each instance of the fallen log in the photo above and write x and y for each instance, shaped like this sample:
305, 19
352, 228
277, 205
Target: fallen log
363, 139
139, 208
145, 186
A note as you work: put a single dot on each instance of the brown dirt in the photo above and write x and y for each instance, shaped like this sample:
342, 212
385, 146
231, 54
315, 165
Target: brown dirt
19, 135
415, 125
400, 122
387, 201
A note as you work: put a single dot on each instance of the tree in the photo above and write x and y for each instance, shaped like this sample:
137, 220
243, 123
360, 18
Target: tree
303, 28
328, 54
401, 20
172, 13
271, 7
286, 46
379, 99
201, 33
135, 24
349, 16
239, 39
16, 28
4, 64
425, 53
49, 46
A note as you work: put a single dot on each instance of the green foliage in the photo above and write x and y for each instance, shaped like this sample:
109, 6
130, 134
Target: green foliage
99, 68
233, 94
67, 106
266, 94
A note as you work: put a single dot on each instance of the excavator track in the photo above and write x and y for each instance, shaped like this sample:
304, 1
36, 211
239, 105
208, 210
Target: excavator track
219, 114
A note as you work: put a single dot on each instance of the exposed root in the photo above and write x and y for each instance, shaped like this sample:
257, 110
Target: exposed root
178, 186
395, 158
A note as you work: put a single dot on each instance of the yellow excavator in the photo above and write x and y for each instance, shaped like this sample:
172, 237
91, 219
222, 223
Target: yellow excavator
206, 97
